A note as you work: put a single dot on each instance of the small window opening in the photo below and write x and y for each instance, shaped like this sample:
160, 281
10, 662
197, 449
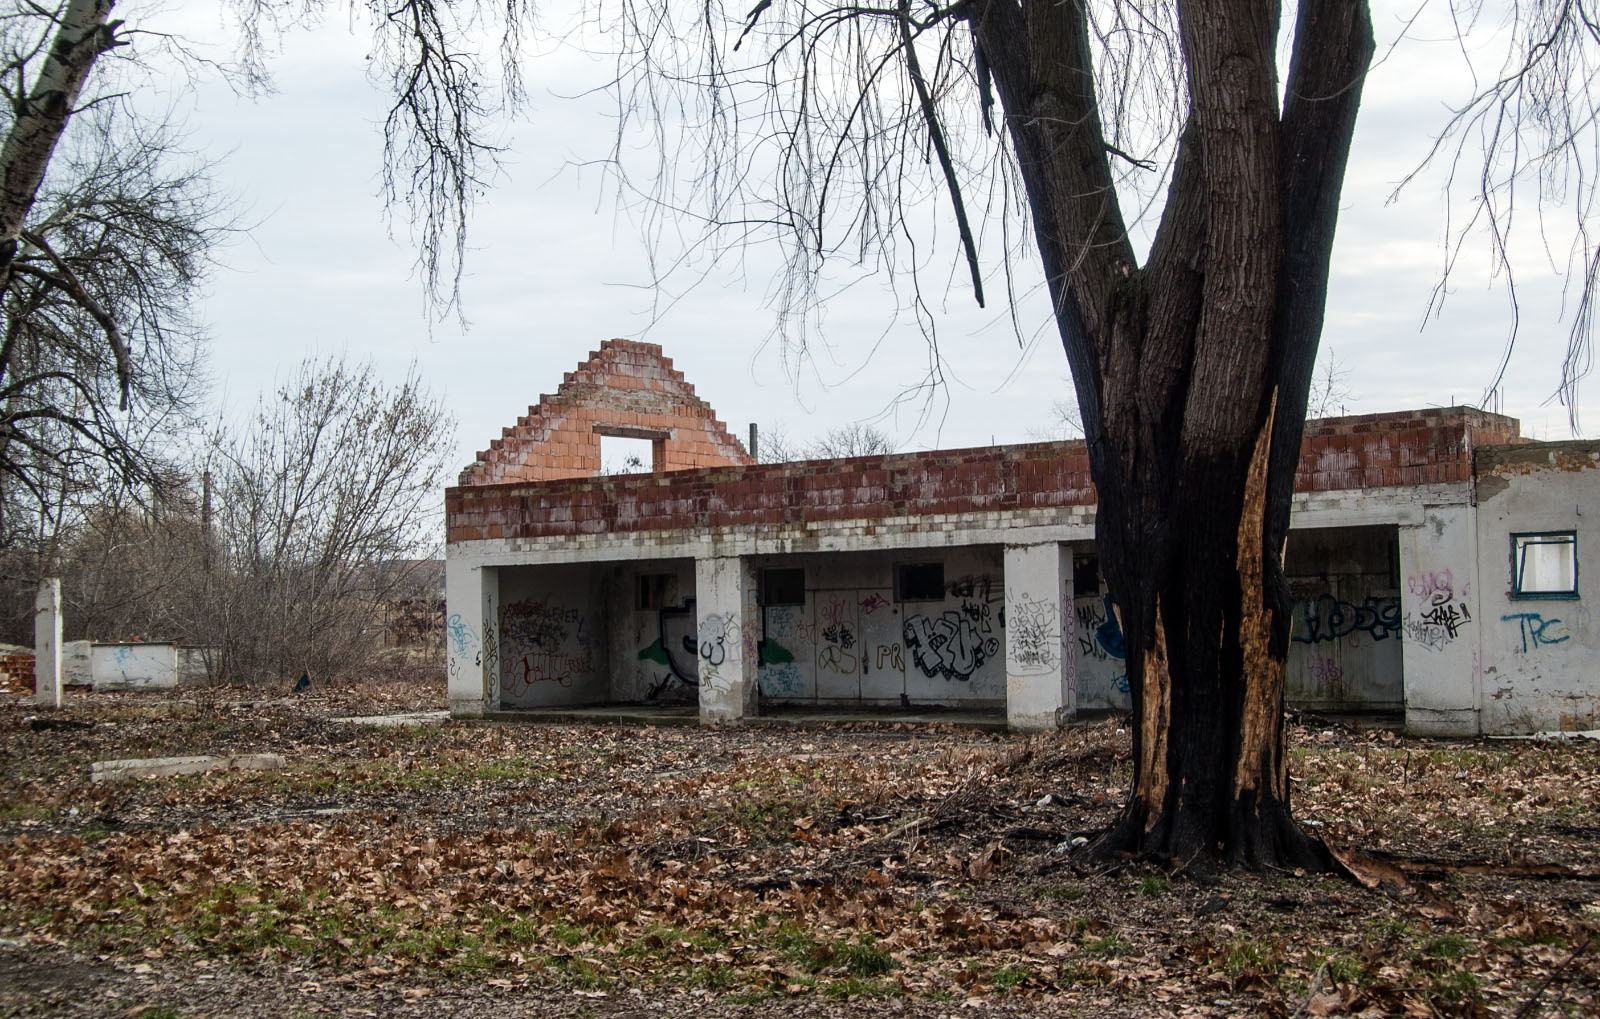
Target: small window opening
1544, 565
655, 590
783, 586
919, 582
619, 455
1085, 576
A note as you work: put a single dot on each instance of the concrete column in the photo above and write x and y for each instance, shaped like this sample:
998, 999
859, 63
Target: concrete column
1041, 645
47, 644
472, 637
1440, 636
729, 624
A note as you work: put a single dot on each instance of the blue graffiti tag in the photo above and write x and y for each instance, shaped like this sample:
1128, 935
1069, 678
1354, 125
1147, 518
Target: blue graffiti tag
1536, 629
462, 640
1328, 618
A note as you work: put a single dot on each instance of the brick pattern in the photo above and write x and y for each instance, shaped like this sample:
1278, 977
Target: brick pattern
1370, 451
625, 386
1036, 475
1409, 447
16, 673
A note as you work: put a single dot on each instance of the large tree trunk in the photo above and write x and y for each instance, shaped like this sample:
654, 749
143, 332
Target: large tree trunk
1192, 373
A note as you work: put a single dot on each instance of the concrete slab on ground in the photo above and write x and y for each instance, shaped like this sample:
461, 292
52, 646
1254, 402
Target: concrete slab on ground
160, 767
404, 719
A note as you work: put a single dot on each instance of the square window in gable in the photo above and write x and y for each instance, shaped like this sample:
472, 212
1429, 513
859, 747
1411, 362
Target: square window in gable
919, 582
1544, 564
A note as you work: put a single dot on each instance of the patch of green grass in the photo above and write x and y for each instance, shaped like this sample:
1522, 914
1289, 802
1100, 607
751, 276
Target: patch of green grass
1063, 893
1346, 970
1247, 956
568, 934
1452, 945
854, 987
863, 960
1455, 987
1106, 946
1153, 884
26, 812
1009, 978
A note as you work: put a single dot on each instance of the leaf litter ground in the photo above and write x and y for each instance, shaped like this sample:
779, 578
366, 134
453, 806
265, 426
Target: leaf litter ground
878, 869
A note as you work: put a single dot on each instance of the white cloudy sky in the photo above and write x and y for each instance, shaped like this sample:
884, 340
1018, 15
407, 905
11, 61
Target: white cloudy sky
553, 271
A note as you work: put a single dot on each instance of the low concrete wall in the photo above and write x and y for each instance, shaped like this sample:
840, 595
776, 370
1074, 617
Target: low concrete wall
134, 666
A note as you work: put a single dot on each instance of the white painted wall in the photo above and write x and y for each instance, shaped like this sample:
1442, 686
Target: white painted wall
1540, 656
134, 666
1439, 612
1041, 649
472, 596
728, 621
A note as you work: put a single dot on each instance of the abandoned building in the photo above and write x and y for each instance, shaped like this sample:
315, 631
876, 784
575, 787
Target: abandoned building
1435, 556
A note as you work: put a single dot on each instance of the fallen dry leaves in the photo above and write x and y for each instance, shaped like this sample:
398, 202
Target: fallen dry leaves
869, 863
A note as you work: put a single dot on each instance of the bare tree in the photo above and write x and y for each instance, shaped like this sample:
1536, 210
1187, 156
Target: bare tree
118, 244
833, 127
852, 439
333, 482
103, 237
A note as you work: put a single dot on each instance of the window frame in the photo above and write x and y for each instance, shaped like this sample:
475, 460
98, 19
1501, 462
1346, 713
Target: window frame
1519, 544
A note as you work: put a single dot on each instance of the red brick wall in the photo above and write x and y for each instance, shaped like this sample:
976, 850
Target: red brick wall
16, 673
869, 487
1408, 447
1370, 451
624, 388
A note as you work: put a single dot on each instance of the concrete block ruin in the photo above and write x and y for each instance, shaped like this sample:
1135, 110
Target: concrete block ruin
1435, 558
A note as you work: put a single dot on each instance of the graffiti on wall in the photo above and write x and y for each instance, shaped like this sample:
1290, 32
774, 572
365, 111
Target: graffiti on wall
1536, 631
780, 651
1326, 618
975, 587
1035, 636
677, 647
1444, 609
463, 642
953, 645
1435, 627
1099, 633
836, 650
1326, 675
543, 642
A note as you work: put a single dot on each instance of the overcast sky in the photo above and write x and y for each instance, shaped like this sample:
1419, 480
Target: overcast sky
553, 271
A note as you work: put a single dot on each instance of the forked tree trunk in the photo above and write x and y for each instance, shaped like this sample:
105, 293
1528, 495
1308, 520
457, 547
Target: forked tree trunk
1192, 373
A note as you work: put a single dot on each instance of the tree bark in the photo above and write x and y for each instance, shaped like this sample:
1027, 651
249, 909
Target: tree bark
1192, 375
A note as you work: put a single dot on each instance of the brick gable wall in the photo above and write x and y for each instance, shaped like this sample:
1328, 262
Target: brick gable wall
626, 389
